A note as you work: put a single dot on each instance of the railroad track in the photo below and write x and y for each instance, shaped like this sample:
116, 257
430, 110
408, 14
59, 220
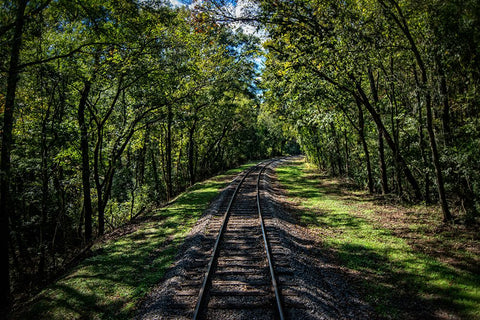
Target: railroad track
240, 281
235, 282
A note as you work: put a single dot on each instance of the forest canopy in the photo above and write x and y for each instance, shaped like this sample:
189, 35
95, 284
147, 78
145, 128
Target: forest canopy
110, 108
384, 92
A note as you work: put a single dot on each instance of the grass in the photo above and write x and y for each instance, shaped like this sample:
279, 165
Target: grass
407, 263
113, 280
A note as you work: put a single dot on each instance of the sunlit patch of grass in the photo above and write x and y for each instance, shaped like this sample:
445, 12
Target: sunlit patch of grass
391, 268
110, 283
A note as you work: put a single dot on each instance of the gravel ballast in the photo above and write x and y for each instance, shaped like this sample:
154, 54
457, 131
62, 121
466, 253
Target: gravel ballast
312, 285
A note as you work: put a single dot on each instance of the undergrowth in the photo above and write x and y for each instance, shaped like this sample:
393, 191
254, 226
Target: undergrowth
407, 263
121, 270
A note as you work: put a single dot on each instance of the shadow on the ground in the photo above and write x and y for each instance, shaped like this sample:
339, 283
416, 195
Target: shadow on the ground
401, 290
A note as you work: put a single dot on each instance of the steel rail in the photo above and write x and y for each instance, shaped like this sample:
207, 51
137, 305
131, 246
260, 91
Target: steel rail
267, 250
208, 273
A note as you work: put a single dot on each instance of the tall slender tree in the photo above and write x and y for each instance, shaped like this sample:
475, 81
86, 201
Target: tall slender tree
5, 166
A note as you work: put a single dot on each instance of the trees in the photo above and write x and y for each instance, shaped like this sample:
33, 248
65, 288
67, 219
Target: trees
383, 57
395, 12
5, 164
109, 108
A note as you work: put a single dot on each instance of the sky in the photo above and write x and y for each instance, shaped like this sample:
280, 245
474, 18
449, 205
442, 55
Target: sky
236, 8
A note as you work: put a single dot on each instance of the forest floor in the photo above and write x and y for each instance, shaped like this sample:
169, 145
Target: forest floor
124, 265
405, 261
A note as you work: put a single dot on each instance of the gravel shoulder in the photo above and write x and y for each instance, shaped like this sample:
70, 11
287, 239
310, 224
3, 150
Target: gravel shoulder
312, 284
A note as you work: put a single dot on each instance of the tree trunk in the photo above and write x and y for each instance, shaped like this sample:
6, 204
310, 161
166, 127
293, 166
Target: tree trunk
5, 165
156, 178
338, 153
103, 194
179, 185
191, 153
381, 149
142, 158
44, 203
361, 133
378, 121
447, 132
381, 162
403, 25
436, 162
57, 182
210, 154
87, 201
318, 156
347, 154
102, 186
168, 154
395, 132
422, 152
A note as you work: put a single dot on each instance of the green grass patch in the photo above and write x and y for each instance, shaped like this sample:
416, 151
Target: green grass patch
392, 251
110, 283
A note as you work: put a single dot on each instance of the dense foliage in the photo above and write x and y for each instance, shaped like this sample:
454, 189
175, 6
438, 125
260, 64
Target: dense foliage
109, 108
384, 92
